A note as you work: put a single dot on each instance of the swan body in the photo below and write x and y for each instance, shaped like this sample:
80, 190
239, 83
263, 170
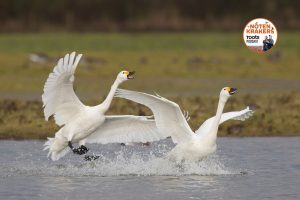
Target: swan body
78, 121
170, 121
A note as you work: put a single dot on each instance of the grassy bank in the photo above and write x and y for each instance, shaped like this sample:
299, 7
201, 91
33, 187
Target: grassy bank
275, 115
188, 67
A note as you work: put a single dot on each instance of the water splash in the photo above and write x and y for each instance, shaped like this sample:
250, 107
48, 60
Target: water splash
135, 161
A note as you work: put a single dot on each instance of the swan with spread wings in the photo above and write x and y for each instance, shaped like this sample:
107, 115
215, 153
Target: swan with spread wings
170, 121
81, 123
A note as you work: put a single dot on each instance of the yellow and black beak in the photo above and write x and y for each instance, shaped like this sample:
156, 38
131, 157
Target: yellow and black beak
232, 90
130, 75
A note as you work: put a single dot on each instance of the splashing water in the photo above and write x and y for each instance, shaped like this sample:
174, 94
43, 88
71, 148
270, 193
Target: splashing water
26, 173
115, 161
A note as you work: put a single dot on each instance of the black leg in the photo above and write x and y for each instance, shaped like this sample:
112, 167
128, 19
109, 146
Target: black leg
70, 145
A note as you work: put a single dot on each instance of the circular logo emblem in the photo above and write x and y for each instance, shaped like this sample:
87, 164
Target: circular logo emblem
260, 35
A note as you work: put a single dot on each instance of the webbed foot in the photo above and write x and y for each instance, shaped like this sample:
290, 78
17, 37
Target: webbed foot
80, 150
90, 158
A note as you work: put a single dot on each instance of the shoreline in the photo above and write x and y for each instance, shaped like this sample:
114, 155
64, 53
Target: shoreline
235, 137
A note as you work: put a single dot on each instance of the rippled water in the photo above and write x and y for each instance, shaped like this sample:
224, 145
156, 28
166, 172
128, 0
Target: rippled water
251, 168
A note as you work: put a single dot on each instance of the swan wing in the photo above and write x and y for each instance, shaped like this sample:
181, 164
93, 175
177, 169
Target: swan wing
59, 98
235, 115
169, 118
126, 128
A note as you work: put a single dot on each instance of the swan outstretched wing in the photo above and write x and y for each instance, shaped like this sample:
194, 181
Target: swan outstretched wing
235, 115
59, 98
126, 128
169, 118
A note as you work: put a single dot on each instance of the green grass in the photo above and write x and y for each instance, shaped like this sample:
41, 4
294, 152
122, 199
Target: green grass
187, 67
158, 56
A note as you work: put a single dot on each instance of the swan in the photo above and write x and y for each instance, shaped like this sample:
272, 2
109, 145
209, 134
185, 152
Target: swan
171, 121
78, 120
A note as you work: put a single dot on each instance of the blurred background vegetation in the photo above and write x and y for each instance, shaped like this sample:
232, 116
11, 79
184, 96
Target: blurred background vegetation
184, 50
143, 15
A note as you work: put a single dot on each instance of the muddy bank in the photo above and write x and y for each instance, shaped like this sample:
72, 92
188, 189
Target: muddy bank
275, 115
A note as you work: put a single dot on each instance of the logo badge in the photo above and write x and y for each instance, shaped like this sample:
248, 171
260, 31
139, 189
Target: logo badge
260, 35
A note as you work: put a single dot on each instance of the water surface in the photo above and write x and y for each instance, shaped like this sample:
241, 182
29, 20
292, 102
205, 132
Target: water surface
248, 168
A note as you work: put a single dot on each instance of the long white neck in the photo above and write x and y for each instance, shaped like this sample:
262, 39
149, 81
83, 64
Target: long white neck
104, 106
215, 126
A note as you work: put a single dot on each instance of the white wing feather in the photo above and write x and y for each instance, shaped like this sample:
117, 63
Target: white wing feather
236, 115
126, 128
168, 117
59, 98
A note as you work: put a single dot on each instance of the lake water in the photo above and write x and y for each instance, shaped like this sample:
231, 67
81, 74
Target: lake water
243, 168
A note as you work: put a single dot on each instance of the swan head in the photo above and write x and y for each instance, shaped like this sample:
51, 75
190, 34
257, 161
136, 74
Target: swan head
125, 75
226, 92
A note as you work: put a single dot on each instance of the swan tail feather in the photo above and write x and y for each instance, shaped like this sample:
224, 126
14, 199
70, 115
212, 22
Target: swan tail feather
57, 148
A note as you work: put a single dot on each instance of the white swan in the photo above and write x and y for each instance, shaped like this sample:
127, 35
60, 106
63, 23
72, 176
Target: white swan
170, 121
79, 121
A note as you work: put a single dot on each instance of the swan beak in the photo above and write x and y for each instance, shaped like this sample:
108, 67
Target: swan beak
232, 91
130, 75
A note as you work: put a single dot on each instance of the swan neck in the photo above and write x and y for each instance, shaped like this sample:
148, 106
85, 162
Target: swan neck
215, 125
106, 103
219, 112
